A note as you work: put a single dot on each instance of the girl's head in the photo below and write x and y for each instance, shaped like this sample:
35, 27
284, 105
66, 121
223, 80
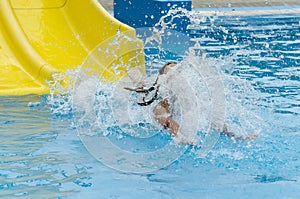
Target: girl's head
166, 67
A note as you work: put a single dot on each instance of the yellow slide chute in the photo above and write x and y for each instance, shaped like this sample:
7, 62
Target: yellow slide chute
42, 37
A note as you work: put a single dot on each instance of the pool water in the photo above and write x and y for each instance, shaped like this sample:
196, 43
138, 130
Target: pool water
42, 155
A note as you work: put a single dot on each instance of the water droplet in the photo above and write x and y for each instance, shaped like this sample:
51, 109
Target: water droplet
235, 39
267, 45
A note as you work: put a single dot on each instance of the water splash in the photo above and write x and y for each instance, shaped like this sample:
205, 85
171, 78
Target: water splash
104, 110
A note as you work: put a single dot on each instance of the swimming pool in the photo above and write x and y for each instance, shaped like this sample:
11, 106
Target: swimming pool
42, 155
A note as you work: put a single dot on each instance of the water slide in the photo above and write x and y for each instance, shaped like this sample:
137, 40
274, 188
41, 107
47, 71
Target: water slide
39, 38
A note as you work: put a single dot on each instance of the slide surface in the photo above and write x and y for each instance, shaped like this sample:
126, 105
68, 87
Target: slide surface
41, 37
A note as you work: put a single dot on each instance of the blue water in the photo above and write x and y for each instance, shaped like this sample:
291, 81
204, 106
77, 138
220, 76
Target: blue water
43, 157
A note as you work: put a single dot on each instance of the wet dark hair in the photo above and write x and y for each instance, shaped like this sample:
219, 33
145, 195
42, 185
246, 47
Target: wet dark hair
161, 71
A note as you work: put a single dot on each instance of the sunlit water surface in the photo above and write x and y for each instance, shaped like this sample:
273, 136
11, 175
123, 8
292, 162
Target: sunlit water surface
43, 157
